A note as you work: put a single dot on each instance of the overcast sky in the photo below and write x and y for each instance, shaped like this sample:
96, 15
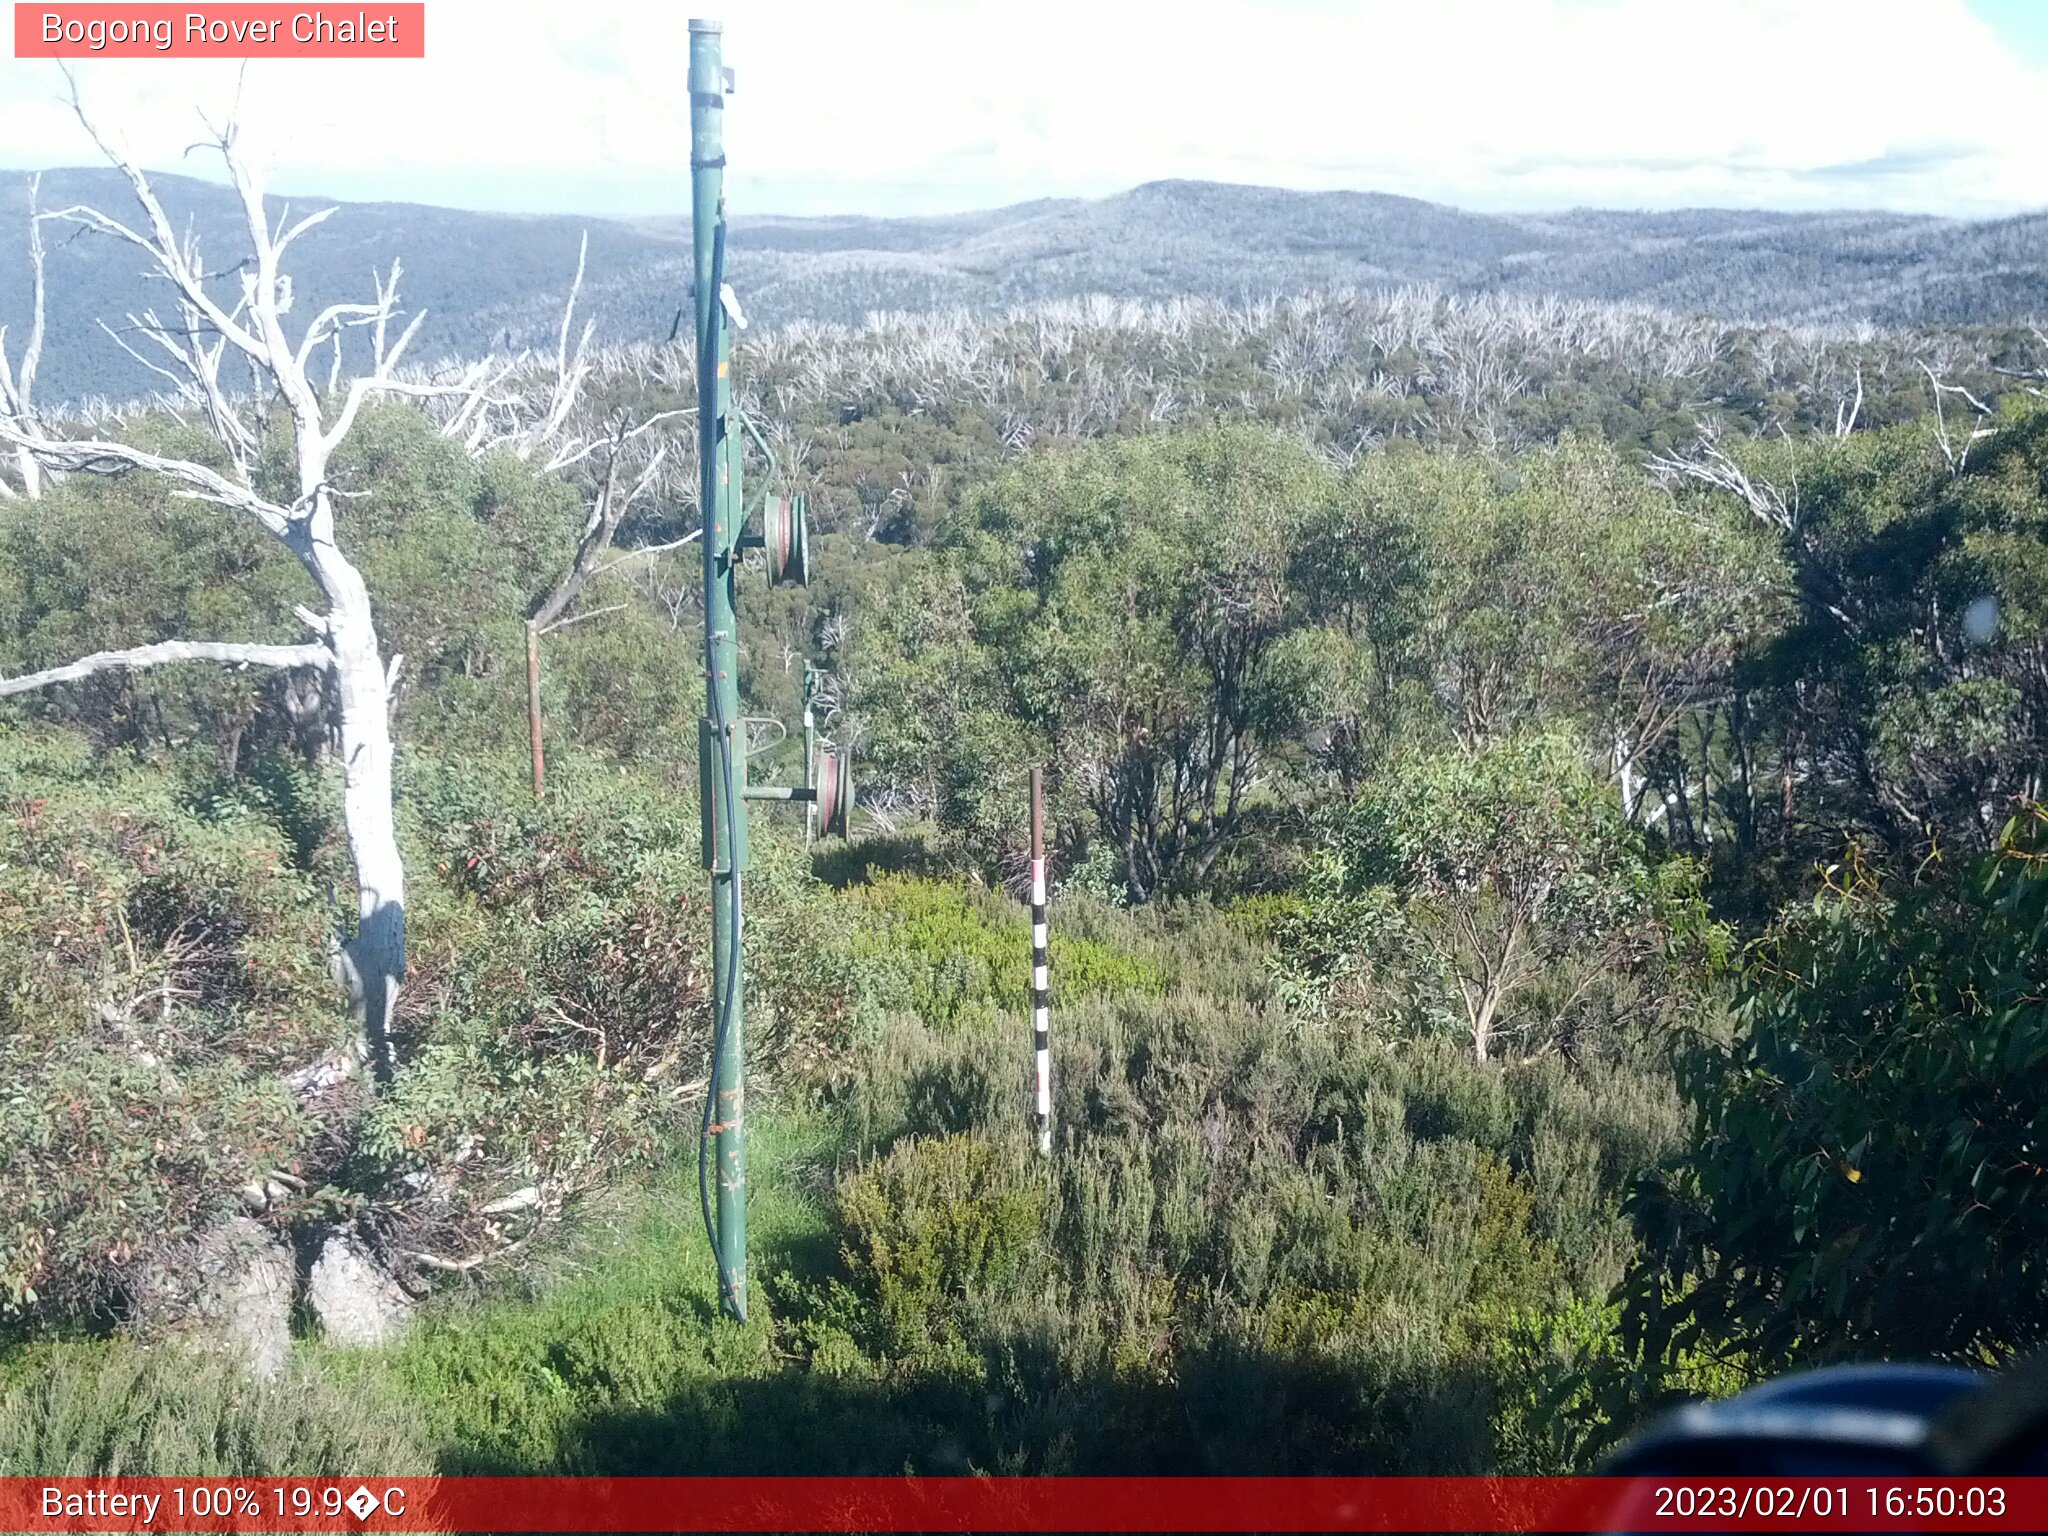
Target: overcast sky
914, 106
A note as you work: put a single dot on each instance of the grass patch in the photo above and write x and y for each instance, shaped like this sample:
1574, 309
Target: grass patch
111, 1408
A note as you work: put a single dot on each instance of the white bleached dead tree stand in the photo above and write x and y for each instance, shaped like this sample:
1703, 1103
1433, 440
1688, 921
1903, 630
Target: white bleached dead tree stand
190, 347
609, 504
18, 383
610, 501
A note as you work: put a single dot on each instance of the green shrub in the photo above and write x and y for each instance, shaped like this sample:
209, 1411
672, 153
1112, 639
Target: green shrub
161, 970
1444, 1100
117, 1410
948, 950
1864, 1168
935, 1224
1340, 1235
557, 1027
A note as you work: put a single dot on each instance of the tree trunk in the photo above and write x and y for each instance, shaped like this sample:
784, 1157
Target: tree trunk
540, 772
1624, 772
1482, 1025
376, 956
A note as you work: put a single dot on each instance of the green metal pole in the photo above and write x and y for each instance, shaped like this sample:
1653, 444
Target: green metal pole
720, 740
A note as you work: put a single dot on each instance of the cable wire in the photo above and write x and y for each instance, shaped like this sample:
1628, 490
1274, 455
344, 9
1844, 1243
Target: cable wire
707, 366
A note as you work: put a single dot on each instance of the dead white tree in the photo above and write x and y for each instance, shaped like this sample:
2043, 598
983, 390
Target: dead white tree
18, 383
615, 495
1776, 506
545, 419
1957, 455
1847, 410
189, 348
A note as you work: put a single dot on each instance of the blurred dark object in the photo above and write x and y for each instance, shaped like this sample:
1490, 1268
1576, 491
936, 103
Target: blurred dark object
1859, 1420
1998, 1431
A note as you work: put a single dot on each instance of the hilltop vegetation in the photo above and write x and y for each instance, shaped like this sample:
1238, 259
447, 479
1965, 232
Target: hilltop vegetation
1544, 801
493, 282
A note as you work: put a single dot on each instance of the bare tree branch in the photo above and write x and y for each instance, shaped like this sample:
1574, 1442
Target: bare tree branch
578, 618
170, 256
102, 456
647, 551
608, 508
569, 372
1708, 463
1957, 456
165, 652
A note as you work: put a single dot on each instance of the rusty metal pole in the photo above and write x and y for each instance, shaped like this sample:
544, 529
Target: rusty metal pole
1041, 1008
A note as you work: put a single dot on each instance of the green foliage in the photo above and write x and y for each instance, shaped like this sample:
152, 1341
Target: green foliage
165, 951
1205, 627
934, 1224
163, 971
101, 564
1495, 891
117, 1410
610, 1357
1327, 1239
1118, 604
452, 549
1331, 944
1863, 1172
950, 952
1484, 597
625, 684
1521, 822
1900, 703
559, 1013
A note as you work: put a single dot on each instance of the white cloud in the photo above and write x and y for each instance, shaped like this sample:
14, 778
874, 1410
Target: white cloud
913, 105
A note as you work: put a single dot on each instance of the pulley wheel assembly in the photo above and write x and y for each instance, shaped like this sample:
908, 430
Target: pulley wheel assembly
786, 539
833, 780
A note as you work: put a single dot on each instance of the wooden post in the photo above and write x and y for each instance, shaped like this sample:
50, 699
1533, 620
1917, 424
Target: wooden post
540, 781
1041, 1011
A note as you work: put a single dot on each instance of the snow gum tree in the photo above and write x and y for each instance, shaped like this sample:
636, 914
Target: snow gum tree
215, 331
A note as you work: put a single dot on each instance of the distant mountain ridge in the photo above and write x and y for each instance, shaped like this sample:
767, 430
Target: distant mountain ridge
496, 281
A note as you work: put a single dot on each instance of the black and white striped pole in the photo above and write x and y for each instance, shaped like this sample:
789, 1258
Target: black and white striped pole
1041, 1008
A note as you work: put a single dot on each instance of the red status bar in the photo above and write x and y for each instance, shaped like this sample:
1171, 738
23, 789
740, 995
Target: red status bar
1023, 1504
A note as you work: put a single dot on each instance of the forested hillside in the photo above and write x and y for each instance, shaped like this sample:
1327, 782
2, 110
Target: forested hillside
494, 281
1544, 814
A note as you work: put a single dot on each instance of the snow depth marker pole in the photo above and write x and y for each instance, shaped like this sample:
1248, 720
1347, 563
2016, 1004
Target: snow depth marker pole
1041, 1009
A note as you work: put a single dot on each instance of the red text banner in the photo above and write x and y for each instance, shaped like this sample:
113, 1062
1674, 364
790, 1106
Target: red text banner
238, 31
960, 1504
